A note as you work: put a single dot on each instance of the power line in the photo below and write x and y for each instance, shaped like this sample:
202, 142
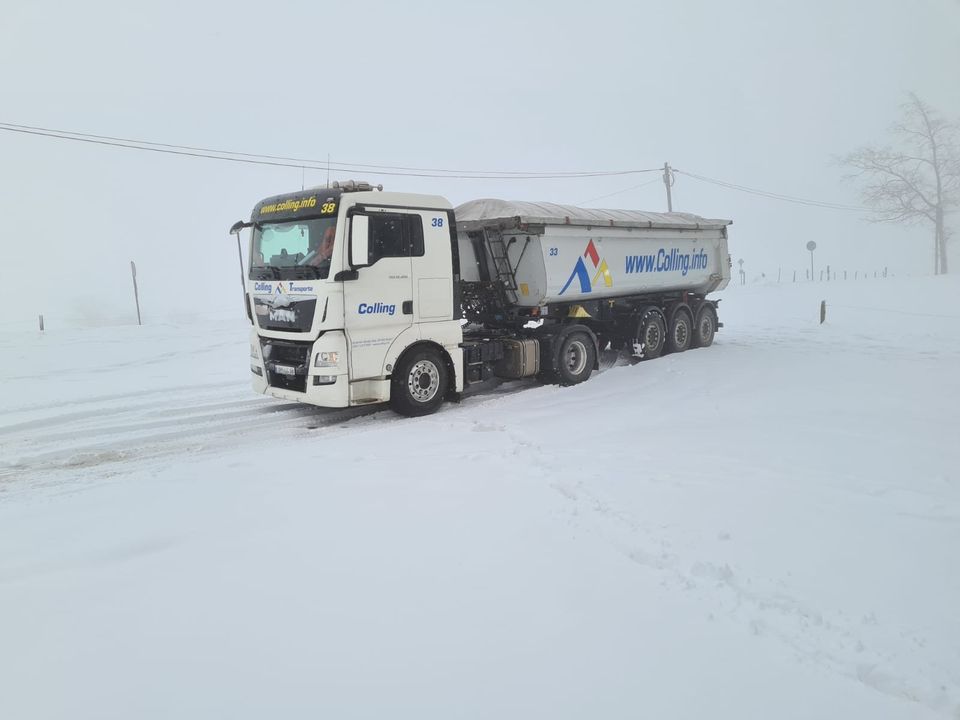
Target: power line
283, 161
772, 195
618, 192
394, 170
155, 149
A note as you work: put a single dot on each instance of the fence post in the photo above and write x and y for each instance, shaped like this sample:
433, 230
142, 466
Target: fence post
136, 293
823, 311
41, 323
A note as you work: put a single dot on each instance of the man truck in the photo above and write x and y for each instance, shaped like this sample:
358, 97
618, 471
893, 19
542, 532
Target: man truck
415, 302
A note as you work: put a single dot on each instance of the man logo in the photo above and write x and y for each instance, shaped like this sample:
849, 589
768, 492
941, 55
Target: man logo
283, 315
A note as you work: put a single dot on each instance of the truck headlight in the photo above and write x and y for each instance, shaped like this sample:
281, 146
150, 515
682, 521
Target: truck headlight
327, 359
324, 379
253, 351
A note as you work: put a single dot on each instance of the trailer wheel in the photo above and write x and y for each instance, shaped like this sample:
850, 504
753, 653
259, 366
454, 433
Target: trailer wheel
576, 357
706, 326
418, 383
681, 331
651, 335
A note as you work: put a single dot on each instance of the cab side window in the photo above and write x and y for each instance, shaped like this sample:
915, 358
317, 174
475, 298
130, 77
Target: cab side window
395, 235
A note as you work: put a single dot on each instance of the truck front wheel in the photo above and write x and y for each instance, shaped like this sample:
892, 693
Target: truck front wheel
418, 383
576, 357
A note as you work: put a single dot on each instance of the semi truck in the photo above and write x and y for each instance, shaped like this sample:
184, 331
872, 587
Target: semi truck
359, 296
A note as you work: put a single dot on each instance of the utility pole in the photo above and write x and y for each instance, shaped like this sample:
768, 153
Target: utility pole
668, 182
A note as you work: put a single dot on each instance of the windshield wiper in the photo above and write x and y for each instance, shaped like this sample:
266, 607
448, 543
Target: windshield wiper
306, 271
272, 271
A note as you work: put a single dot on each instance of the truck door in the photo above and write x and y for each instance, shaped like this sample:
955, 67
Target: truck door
433, 271
378, 304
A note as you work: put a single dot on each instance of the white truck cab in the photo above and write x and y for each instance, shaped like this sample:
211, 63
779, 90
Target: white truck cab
333, 323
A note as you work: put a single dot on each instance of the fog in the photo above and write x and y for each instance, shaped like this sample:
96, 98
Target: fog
762, 94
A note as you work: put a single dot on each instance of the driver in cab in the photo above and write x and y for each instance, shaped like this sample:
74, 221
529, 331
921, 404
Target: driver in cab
320, 259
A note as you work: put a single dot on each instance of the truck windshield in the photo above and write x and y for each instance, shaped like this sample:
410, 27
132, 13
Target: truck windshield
294, 250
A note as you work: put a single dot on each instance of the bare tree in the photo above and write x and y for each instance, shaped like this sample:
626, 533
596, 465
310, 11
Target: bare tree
917, 178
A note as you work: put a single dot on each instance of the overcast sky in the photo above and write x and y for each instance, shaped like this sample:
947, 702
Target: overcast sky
759, 93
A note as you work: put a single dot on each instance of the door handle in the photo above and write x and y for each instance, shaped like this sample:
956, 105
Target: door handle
407, 307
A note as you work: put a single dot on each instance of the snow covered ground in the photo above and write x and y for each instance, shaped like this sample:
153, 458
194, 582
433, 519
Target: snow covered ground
768, 528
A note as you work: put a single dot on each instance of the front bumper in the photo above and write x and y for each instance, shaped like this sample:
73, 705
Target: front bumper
288, 370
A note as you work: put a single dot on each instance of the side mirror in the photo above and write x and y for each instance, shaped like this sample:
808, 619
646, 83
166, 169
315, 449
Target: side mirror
238, 226
360, 241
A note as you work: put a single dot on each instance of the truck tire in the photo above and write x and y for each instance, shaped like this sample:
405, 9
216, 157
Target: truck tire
705, 327
681, 331
576, 357
651, 335
419, 383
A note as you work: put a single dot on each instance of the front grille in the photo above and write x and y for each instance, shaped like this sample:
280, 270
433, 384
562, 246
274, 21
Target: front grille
288, 354
295, 316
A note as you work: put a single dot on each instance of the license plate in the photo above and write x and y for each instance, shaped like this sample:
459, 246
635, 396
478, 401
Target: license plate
285, 369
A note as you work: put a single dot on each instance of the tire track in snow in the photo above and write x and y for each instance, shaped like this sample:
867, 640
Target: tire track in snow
855, 648
105, 433
136, 395
858, 647
127, 427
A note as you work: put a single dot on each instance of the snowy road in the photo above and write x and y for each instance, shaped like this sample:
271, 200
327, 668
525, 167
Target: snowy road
766, 528
147, 425
109, 417
39, 439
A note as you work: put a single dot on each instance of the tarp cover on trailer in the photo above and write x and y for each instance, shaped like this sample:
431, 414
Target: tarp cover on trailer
476, 214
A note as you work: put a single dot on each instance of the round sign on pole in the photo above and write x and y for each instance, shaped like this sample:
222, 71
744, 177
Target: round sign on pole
811, 246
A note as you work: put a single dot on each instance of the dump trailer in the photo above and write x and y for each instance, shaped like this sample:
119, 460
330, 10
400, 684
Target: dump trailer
360, 296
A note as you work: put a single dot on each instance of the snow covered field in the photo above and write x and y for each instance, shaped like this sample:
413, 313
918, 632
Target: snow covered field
768, 528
